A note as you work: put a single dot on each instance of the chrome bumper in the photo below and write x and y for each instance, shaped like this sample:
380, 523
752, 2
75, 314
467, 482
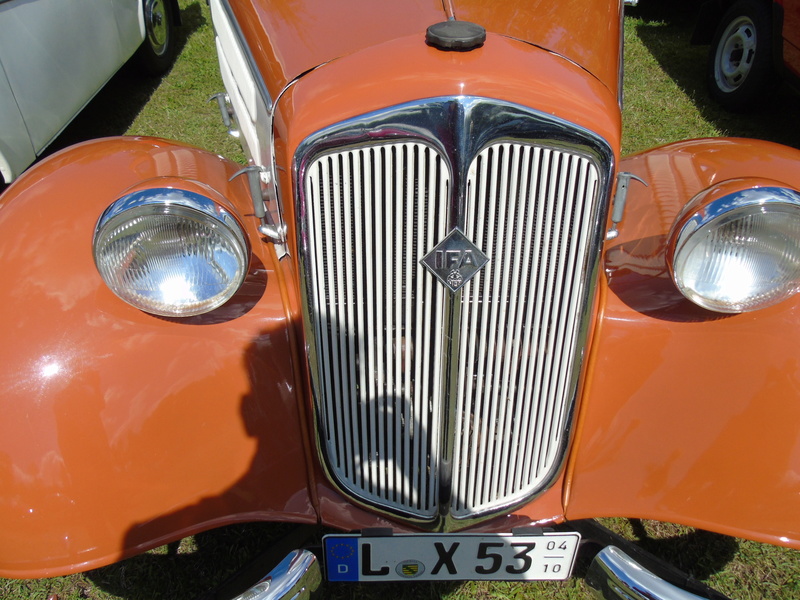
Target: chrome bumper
295, 578
613, 575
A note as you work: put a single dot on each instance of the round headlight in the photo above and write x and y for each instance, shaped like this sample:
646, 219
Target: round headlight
170, 252
741, 251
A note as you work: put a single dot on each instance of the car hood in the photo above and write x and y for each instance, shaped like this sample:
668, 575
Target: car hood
587, 32
291, 37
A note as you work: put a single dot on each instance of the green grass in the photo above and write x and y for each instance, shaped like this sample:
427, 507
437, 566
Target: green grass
180, 108
665, 89
665, 101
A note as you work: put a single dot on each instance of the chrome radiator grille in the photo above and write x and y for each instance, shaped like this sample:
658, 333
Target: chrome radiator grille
378, 324
529, 208
445, 406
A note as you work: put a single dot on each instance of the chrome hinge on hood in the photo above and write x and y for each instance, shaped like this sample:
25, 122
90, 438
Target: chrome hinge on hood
259, 182
620, 199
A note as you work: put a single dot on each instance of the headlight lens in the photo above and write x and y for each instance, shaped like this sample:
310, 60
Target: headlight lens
740, 252
170, 252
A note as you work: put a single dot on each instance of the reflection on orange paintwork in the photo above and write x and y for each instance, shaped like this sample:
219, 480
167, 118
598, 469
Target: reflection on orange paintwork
638, 275
289, 37
689, 416
561, 27
122, 430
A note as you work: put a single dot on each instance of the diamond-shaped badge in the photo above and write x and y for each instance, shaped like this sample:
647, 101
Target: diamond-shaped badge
455, 260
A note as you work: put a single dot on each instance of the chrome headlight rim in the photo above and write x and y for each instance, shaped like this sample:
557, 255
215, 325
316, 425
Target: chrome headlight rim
176, 202
742, 199
721, 205
169, 196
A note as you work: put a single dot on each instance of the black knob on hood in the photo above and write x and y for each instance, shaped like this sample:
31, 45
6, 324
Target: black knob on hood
455, 35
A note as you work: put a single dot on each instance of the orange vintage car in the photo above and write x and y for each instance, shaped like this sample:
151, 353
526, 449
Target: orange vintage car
437, 313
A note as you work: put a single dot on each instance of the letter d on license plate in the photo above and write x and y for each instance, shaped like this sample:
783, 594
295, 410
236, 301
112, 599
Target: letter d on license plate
450, 557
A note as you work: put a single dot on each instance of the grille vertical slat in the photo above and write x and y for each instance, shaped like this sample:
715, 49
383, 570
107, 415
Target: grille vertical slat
386, 193
521, 345
517, 195
362, 191
530, 248
539, 322
380, 355
422, 439
378, 338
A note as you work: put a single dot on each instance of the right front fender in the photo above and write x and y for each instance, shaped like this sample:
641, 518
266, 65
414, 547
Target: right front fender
689, 416
121, 430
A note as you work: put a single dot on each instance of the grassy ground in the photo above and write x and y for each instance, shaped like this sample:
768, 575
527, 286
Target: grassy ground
665, 101
665, 90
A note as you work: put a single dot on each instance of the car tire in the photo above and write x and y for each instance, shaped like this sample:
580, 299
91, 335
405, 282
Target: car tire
157, 52
740, 70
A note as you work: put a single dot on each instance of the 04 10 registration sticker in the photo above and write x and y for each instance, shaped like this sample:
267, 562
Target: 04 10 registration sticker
548, 556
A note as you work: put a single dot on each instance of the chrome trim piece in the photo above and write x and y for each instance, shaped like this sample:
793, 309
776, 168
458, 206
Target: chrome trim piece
482, 157
295, 578
455, 260
248, 101
746, 198
620, 200
776, 283
173, 196
613, 575
226, 112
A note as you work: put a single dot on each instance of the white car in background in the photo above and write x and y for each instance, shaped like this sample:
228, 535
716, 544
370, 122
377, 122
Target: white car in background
55, 55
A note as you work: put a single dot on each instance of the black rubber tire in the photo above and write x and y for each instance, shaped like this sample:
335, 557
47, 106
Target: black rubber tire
740, 71
157, 52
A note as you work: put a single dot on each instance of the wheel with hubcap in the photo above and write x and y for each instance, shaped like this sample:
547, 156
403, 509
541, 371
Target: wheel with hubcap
157, 51
740, 62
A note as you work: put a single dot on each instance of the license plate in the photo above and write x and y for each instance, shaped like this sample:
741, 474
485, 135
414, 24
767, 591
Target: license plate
548, 556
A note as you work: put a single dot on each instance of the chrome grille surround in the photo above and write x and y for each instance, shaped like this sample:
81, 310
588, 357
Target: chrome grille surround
422, 396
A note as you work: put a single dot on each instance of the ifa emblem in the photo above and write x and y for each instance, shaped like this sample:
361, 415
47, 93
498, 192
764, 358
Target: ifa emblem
455, 260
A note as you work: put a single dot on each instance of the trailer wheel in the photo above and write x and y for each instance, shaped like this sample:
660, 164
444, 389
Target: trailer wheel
740, 69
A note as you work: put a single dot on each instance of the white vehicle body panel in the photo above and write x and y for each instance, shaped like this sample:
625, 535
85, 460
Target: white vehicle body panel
55, 56
16, 150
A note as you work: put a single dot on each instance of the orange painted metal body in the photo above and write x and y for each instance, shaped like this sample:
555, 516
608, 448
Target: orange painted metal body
405, 70
289, 38
122, 431
687, 415
502, 69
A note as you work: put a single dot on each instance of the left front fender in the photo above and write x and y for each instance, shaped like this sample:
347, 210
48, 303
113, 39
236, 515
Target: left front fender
121, 430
